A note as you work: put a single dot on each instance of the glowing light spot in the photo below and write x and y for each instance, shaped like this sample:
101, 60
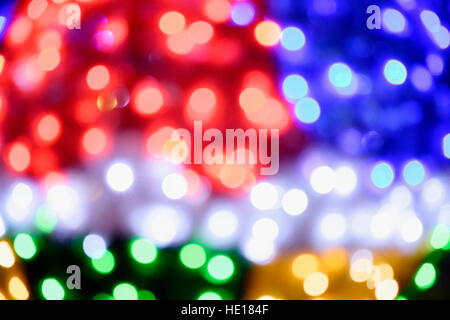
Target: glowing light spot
223, 223
49, 59
393, 20
125, 291
193, 256
52, 290
425, 276
411, 229
315, 284
104, 264
49, 128
24, 246
242, 13
172, 23
143, 251
174, 186
294, 202
50, 39
200, 32
387, 290
7, 259
382, 175
266, 229
252, 99
203, 100
264, 196
259, 250
440, 237
430, 20
381, 225
421, 79
148, 101
180, 43
221, 268
98, 77
20, 30
304, 265
333, 226
307, 110
340, 75
395, 72
446, 146
19, 156
94, 141
209, 295
295, 87
292, 39
2, 228
268, 33
433, 192
18, 289
94, 246
435, 64
164, 225
217, 10
323, 180
36, 8
442, 38
120, 177
413, 173
346, 180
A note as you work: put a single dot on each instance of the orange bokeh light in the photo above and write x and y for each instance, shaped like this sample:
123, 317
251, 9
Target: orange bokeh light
172, 22
95, 141
48, 128
18, 156
252, 99
217, 10
49, 59
98, 77
268, 33
203, 100
200, 32
147, 100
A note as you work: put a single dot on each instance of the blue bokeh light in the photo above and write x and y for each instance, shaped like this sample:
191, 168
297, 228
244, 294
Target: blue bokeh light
242, 13
382, 175
446, 146
413, 173
307, 110
435, 64
295, 87
292, 38
395, 72
340, 75
394, 21
421, 78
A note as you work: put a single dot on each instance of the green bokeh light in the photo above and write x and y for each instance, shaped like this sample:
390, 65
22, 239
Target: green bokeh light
440, 237
192, 256
221, 268
425, 276
125, 291
45, 220
209, 295
103, 296
143, 251
52, 289
105, 264
24, 246
146, 295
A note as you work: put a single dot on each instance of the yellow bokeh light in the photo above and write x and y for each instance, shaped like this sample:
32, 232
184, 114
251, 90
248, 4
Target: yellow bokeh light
7, 259
387, 290
304, 265
268, 33
315, 284
17, 289
361, 270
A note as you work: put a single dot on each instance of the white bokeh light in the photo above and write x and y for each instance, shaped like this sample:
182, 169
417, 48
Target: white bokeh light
94, 246
381, 226
63, 201
411, 229
266, 229
323, 180
259, 251
264, 196
19, 204
2, 227
433, 192
174, 186
163, 225
222, 223
346, 180
120, 177
333, 226
294, 202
